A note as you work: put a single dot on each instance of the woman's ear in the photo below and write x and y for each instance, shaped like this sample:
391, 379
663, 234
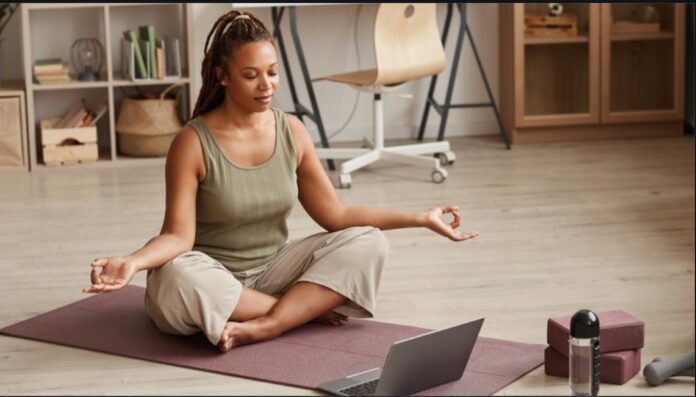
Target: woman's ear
221, 76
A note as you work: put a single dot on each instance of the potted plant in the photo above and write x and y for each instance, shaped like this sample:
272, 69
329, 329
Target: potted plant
6, 12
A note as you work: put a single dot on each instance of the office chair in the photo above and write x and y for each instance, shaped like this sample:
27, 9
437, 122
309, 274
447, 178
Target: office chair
407, 47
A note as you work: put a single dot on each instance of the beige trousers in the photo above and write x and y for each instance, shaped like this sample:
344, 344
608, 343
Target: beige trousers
194, 292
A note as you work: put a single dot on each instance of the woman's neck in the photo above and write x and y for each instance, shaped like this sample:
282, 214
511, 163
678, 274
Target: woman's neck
232, 117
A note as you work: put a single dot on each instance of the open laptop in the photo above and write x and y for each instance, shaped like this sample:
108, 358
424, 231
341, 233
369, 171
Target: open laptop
414, 364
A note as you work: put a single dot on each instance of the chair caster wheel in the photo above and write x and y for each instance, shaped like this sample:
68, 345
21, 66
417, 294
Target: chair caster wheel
344, 181
439, 176
446, 158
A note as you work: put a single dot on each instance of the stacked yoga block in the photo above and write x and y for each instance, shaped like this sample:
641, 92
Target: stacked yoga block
621, 337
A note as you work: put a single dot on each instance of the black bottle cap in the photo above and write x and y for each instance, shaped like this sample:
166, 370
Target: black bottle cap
584, 324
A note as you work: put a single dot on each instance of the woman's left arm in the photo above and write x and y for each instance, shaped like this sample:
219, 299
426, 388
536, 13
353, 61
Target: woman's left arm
318, 197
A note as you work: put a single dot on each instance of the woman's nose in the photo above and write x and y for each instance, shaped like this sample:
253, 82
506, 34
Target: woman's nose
265, 83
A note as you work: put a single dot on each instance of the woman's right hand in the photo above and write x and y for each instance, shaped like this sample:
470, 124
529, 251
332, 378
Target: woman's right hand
116, 272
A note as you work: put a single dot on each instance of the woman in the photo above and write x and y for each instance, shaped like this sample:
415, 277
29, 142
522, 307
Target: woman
221, 263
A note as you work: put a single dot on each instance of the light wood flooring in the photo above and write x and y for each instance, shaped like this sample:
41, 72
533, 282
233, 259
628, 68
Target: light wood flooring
600, 225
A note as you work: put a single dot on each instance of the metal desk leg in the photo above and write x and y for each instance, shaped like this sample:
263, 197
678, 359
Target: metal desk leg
443, 109
277, 15
433, 80
300, 110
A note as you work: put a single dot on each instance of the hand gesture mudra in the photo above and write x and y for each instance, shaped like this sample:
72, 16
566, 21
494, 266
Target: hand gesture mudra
435, 222
116, 272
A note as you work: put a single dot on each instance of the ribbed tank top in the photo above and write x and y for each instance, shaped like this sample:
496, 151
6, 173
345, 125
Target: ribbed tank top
241, 212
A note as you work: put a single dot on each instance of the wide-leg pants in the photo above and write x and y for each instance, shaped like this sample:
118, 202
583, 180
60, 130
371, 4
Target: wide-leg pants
194, 292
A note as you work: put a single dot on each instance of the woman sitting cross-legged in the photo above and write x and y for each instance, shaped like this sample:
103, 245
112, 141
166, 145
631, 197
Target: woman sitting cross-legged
222, 263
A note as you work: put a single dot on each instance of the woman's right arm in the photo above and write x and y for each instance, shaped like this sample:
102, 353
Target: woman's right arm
183, 171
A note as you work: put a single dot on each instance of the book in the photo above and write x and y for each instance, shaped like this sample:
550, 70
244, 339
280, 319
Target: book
75, 121
144, 46
68, 115
140, 68
63, 72
172, 57
127, 59
160, 63
99, 113
53, 68
147, 32
48, 61
53, 79
86, 121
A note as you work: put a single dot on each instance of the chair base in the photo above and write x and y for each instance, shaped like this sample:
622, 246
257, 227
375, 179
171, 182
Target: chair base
404, 154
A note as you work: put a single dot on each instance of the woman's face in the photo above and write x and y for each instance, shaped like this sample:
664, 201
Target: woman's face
252, 76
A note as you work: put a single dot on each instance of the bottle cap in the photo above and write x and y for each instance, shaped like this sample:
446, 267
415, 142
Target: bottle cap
584, 324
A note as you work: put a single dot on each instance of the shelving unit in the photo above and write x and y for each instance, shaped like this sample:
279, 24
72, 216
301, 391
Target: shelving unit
596, 85
107, 21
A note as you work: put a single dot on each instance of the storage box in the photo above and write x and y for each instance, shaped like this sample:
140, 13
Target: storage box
12, 130
615, 367
618, 331
550, 26
68, 145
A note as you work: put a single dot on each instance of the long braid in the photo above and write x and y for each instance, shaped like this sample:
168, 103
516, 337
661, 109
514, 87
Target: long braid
229, 32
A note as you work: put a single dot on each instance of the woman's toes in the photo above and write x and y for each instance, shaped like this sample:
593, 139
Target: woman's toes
226, 338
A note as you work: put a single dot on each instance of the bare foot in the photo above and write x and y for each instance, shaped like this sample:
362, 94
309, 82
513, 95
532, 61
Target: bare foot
230, 337
331, 318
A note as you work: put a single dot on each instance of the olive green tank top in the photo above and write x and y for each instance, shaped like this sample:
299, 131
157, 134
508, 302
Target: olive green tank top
241, 211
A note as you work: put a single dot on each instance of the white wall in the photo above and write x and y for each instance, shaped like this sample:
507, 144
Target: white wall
328, 40
327, 34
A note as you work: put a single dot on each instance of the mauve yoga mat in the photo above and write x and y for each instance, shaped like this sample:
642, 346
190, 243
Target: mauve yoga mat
117, 323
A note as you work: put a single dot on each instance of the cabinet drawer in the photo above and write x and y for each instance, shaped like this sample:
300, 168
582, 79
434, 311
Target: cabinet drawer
11, 150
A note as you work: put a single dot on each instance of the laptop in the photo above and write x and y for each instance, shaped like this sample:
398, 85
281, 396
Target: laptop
414, 364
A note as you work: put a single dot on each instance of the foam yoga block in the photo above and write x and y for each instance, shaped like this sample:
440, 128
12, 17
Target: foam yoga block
618, 331
615, 367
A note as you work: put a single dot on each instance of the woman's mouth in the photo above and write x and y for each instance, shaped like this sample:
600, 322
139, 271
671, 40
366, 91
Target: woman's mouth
265, 99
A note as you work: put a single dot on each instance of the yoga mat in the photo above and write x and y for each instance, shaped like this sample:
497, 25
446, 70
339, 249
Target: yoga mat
116, 323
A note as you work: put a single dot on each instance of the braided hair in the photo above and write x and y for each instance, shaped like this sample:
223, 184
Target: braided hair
231, 31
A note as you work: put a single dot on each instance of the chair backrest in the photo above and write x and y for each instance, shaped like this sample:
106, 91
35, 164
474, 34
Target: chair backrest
407, 42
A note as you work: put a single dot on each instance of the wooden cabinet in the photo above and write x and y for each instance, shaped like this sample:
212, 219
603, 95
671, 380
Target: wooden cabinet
599, 83
48, 31
13, 137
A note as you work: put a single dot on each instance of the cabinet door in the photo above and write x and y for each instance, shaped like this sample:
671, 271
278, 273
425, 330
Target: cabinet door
11, 146
642, 62
556, 68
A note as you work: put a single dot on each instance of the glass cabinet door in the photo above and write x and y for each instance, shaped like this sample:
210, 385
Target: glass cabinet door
556, 57
642, 67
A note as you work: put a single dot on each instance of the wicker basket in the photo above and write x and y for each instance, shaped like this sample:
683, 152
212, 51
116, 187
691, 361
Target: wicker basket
146, 127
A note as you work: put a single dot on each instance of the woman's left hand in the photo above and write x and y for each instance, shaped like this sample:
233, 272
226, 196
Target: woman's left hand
435, 222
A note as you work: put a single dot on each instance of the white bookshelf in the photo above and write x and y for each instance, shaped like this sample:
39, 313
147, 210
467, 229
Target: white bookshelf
48, 31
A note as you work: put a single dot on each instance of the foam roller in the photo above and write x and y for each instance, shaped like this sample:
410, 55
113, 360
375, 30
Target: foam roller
660, 369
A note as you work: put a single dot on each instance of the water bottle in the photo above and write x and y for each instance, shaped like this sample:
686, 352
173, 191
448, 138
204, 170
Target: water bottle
584, 354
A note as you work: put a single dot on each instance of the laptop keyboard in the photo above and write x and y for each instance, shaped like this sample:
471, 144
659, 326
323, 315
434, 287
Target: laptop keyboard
363, 389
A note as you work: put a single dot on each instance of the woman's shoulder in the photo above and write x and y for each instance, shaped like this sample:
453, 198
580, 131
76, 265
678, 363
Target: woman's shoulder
301, 138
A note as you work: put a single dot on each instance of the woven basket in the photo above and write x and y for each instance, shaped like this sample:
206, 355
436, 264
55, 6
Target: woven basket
146, 127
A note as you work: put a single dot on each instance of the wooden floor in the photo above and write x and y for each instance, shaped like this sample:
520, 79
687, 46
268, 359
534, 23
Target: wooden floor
598, 225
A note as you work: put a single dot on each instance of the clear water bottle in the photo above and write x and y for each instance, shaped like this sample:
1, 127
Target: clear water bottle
584, 354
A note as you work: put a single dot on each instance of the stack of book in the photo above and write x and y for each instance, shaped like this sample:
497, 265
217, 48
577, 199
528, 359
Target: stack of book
51, 71
145, 56
78, 116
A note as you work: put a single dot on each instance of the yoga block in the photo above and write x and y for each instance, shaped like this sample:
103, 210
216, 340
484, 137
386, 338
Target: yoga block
618, 331
615, 367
